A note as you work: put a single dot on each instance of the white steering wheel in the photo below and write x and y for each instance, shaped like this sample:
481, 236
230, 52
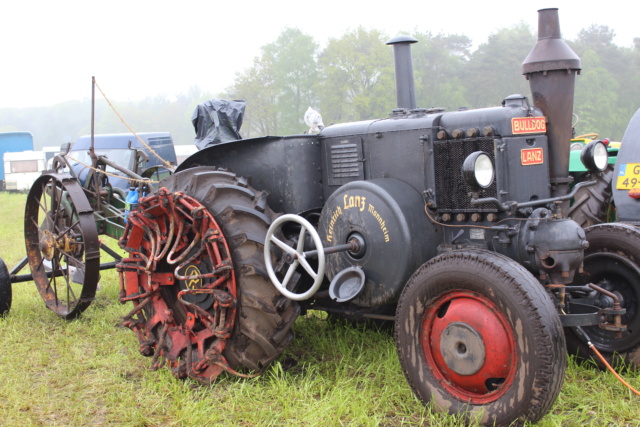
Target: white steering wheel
296, 256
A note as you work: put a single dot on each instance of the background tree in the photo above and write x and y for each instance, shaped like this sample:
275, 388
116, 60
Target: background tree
356, 77
596, 98
439, 66
608, 89
293, 60
280, 85
495, 68
257, 88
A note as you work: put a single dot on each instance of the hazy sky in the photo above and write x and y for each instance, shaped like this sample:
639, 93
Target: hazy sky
137, 48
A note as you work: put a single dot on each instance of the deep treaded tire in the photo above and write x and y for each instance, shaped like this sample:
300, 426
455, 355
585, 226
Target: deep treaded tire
612, 261
477, 335
5, 289
263, 324
591, 204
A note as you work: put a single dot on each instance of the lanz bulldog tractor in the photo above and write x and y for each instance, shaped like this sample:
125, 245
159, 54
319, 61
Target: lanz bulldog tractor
451, 224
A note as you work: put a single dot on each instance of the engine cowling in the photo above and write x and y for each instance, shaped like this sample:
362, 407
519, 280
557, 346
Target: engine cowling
387, 216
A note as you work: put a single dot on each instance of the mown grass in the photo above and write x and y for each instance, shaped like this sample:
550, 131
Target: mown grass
88, 371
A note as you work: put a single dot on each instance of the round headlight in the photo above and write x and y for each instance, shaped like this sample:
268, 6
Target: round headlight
477, 170
594, 156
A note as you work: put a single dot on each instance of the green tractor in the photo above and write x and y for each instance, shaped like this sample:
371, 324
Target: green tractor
616, 195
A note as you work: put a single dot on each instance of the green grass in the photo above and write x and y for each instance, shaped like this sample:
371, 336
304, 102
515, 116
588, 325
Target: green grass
89, 371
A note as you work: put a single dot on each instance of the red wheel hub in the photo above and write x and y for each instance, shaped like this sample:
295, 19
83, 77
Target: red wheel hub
181, 281
469, 346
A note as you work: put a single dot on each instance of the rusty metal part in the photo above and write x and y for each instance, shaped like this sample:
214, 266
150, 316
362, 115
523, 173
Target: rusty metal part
616, 311
63, 249
181, 281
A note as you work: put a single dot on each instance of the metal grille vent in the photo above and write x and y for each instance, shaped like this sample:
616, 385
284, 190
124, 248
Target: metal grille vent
452, 191
344, 161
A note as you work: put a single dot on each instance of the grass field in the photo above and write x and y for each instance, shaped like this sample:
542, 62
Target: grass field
89, 371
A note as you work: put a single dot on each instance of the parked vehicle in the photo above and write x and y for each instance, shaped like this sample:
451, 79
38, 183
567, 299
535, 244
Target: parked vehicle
126, 151
618, 184
13, 142
22, 168
626, 183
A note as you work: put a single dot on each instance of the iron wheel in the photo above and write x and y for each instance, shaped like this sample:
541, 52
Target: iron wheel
62, 244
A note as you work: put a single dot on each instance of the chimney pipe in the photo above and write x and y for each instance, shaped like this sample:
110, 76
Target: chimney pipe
405, 85
551, 69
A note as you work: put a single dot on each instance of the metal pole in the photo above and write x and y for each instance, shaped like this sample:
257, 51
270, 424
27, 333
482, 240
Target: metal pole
93, 111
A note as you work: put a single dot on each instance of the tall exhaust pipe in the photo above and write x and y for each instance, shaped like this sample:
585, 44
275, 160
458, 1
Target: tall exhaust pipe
551, 69
405, 84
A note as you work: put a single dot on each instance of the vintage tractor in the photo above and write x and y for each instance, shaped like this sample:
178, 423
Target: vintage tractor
451, 224
592, 204
617, 185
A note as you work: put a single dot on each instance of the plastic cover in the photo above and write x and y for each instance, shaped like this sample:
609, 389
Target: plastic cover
217, 121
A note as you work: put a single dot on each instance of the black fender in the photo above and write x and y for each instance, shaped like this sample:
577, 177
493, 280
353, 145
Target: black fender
287, 167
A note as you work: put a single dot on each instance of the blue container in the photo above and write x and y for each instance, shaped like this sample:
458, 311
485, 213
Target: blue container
130, 202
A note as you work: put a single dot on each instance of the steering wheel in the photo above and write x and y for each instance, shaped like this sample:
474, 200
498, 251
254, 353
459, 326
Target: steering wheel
295, 256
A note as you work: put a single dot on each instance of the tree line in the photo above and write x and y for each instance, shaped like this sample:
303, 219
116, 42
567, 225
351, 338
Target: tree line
352, 78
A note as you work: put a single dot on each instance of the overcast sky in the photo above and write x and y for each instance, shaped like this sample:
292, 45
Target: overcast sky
137, 48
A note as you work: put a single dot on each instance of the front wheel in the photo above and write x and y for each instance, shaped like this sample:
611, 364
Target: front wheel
477, 335
612, 262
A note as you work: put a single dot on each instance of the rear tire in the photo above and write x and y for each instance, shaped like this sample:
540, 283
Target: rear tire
263, 324
612, 261
592, 205
197, 278
478, 336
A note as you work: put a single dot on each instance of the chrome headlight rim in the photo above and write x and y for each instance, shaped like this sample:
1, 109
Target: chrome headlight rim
478, 170
595, 157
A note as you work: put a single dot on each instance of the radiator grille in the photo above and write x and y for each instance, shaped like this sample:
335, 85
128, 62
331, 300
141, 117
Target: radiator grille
452, 191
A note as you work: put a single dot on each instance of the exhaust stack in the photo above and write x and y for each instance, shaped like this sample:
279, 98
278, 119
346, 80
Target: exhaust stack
405, 85
551, 69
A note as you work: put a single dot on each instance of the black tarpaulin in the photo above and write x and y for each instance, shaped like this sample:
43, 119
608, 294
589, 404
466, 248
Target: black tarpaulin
216, 121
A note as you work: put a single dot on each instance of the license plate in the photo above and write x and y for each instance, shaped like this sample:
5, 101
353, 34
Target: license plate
629, 176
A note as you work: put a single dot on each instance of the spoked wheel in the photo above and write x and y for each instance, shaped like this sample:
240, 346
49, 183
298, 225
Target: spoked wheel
477, 335
62, 244
5, 289
197, 278
612, 262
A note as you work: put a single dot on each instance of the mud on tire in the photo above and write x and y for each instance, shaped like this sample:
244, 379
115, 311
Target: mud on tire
262, 326
478, 335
